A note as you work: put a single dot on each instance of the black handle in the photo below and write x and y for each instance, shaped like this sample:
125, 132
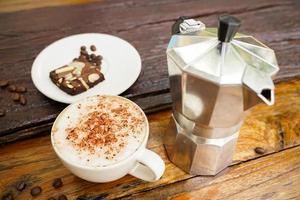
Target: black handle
175, 27
228, 26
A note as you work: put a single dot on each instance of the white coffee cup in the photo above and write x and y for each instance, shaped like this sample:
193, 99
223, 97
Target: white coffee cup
143, 163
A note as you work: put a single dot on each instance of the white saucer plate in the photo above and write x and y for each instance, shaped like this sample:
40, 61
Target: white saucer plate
121, 65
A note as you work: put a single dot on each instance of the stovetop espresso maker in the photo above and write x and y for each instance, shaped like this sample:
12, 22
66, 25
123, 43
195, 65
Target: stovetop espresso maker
215, 74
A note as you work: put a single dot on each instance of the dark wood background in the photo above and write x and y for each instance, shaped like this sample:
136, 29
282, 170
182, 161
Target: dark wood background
145, 24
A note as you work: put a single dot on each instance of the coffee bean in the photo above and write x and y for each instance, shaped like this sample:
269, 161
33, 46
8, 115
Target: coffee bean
51, 198
36, 191
62, 197
99, 57
83, 48
15, 96
259, 150
21, 185
23, 100
93, 56
2, 112
12, 88
4, 83
21, 89
93, 48
57, 183
8, 196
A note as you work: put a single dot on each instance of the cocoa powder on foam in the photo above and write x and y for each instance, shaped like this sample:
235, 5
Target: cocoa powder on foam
104, 127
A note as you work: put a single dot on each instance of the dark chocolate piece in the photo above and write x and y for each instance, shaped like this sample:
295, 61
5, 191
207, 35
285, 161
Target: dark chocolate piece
76, 77
80, 75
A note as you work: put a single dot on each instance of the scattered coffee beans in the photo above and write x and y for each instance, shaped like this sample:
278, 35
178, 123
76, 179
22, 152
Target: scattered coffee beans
57, 183
83, 48
36, 191
259, 150
4, 83
8, 196
12, 88
2, 112
62, 197
21, 89
15, 96
21, 185
93, 48
23, 100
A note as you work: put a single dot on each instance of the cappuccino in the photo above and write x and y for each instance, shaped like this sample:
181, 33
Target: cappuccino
99, 131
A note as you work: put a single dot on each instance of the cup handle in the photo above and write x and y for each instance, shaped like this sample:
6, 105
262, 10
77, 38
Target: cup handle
149, 167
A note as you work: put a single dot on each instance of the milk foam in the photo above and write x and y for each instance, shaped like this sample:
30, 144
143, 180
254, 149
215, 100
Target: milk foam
89, 151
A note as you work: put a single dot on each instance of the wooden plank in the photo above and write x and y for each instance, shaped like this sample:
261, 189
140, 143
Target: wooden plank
21, 40
17, 5
275, 177
273, 128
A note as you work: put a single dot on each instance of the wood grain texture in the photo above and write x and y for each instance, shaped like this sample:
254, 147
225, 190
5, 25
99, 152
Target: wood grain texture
17, 5
274, 128
275, 177
146, 24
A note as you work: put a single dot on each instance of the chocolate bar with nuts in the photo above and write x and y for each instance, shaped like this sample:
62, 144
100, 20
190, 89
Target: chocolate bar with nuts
77, 77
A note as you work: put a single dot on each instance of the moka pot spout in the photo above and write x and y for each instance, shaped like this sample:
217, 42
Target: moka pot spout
258, 88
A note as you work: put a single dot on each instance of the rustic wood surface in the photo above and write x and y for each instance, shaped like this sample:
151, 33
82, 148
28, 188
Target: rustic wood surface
146, 24
17, 5
274, 176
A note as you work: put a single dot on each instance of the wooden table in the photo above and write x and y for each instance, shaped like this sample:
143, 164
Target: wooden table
27, 27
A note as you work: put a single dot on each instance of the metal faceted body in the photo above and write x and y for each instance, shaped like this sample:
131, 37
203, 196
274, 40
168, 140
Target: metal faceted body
214, 79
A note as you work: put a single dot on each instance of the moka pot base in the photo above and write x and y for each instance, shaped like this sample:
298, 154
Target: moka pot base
198, 155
